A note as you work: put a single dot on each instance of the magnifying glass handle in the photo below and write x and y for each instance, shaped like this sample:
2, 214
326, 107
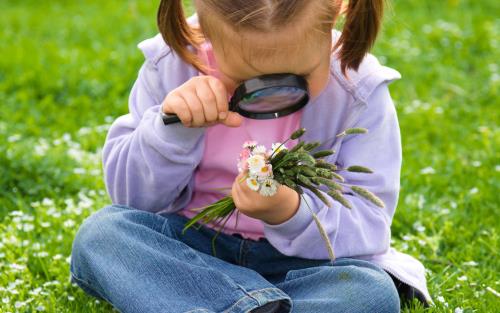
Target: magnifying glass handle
170, 118
173, 118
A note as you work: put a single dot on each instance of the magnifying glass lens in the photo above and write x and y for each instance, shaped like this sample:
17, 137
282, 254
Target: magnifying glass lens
272, 99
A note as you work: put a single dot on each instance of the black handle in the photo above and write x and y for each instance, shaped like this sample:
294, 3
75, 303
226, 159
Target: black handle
170, 118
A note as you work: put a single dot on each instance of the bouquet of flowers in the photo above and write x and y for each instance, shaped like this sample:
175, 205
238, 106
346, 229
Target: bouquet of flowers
297, 168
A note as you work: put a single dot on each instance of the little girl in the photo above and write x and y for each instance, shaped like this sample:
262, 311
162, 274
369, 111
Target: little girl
133, 254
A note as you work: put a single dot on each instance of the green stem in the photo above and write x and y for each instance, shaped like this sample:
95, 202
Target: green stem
270, 157
217, 234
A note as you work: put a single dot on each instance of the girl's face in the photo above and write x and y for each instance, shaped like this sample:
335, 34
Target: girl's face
278, 52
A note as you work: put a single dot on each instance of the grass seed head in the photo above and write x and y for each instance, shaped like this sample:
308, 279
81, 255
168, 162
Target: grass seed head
337, 195
298, 133
322, 153
368, 195
359, 169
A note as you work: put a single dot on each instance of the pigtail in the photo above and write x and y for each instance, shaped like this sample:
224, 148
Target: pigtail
362, 24
177, 33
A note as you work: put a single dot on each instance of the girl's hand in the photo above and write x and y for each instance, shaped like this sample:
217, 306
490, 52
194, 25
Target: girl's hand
201, 101
275, 209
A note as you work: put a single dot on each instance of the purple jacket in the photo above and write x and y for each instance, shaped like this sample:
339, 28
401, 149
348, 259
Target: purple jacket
150, 166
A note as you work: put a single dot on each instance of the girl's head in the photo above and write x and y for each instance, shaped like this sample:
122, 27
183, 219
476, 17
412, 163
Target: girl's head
251, 38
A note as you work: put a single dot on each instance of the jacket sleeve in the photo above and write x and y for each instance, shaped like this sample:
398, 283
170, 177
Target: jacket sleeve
148, 165
364, 229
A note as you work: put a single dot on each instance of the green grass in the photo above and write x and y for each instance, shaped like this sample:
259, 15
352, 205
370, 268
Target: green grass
66, 69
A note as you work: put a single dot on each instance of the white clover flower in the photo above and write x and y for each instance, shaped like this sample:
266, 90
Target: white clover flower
427, 170
42, 147
66, 137
28, 218
51, 283
418, 227
17, 267
19, 304
57, 257
69, 223
253, 183
35, 292
14, 138
79, 171
268, 188
42, 254
95, 172
47, 202
28, 227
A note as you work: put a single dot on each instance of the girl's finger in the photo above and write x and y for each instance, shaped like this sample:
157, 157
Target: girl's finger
195, 107
208, 100
234, 192
220, 93
181, 110
233, 119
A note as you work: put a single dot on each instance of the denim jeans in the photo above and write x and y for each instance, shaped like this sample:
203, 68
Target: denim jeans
140, 262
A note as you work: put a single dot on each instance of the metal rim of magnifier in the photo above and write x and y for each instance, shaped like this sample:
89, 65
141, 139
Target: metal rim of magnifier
265, 82
256, 84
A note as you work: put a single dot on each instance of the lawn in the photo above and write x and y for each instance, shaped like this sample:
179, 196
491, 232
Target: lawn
66, 69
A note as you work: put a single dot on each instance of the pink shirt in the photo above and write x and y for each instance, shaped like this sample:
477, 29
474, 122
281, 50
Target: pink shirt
218, 167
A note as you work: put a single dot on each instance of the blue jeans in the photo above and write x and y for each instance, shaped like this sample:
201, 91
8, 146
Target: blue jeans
140, 262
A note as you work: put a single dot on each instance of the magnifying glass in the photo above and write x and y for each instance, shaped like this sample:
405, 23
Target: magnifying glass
265, 97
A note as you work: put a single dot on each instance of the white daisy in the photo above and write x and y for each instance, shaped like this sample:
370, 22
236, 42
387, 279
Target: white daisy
256, 162
269, 188
266, 171
253, 183
260, 149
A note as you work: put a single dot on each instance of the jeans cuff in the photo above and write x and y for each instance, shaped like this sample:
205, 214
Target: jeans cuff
258, 298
